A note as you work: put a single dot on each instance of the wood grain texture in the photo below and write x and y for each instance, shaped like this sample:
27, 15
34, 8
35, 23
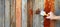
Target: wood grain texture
38, 5
30, 13
2, 13
12, 19
18, 13
24, 13
7, 13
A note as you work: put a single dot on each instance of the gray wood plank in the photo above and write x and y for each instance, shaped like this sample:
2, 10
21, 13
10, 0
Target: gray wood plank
37, 18
24, 13
57, 12
7, 13
1, 13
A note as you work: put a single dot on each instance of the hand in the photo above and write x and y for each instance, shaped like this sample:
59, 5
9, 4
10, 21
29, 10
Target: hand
50, 16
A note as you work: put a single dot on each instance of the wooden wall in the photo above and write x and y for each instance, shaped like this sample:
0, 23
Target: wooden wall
33, 20
7, 13
21, 13
10, 13
37, 18
24, 13
18, 13
2, 15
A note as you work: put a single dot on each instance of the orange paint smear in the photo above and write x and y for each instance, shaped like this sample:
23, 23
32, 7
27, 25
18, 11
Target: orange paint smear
30, 17
30, 12
49, 6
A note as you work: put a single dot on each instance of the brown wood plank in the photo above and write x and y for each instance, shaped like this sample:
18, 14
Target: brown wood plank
18, 13
30, 13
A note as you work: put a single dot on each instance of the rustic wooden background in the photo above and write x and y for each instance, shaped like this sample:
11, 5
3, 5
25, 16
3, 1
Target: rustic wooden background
15, 13
10, 14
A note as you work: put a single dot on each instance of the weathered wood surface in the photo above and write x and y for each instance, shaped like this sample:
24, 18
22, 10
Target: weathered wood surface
37, 18
7, 13
2, 13
29, 13
13, 16
24, 13
18, 13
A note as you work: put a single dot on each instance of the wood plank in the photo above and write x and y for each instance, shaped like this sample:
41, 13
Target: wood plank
37, 18
24, 13
18, 13
7, 13
2, 13
30, 13
12, 19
